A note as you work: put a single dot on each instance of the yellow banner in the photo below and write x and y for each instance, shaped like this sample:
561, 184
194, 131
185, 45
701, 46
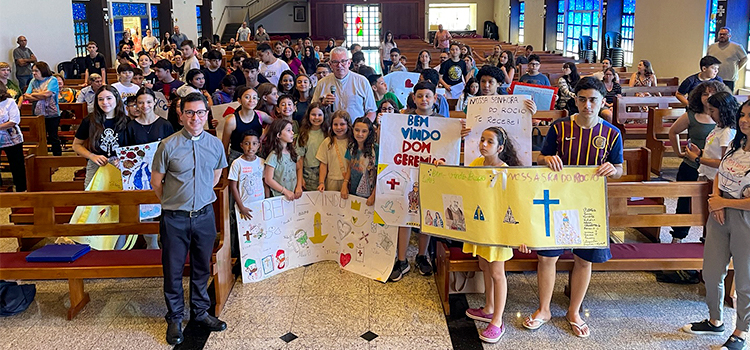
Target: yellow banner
511, 206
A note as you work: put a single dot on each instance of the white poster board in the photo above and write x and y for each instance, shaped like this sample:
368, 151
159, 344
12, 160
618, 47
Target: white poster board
411, 139
401, 84
161, 105
220, 112
506, 111
319, 226
135, 164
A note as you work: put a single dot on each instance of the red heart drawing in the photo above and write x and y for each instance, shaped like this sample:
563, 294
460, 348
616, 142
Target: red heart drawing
408, 83
345, 259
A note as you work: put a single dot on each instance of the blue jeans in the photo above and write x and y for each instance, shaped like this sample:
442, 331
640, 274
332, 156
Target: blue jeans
23, 82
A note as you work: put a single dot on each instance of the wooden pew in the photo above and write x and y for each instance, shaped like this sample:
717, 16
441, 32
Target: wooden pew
630, 114
657, 135
625, 256
34, 135
654, 90
104, 264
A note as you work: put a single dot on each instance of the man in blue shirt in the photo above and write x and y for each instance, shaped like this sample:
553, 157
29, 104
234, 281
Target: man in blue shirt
533, 76
709, 71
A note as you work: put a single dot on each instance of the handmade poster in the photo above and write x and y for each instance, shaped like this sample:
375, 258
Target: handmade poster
456, 91
510, 206
106, 178
411, 140
135, 164
283, 235
505, 111
161, 105
220, 112
401, 84
543, 95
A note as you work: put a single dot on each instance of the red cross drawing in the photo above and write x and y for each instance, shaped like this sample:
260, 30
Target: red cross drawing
359, 252
393, 183
247, 235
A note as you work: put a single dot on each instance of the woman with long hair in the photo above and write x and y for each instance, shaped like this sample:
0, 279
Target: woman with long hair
290, 57
507, 66
385, 51
566, 84
645, 75
331, 45
423, 61
102, 132
309, 61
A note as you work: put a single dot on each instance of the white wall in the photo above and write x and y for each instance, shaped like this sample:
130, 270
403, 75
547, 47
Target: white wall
282, 20
183, 15
50, 37
232, 15
501, 16
672, 40
485, 12
534, 26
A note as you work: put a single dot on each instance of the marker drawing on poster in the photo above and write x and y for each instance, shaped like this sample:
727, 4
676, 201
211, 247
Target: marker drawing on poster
510, 206
135, 164
506, 111
412, 139
283, 235
220, 112
401, 84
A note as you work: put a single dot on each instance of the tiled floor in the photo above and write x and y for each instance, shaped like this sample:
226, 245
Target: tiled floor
328, 308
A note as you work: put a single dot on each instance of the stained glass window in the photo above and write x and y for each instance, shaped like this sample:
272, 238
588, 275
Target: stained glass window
200, 25
521, 20
363, 25
712, 22
155, 21
583, 20
560, 38
627, 26
121, 10
80, 28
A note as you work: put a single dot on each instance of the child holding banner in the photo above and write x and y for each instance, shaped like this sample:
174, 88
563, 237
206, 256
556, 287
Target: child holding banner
497, 150
581, 139
313, 131
363, 162
281, 169
490, 78
246, 175
333, 167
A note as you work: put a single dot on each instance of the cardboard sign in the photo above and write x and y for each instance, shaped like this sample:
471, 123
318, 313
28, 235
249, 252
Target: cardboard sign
506, 111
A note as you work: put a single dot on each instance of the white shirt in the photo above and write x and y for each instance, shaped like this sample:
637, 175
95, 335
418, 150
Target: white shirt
273, 71
186, 89
733, 174
87, 95
9, 112
149, 42
190, 63
126, 91
353, 93
716, 139
249, 177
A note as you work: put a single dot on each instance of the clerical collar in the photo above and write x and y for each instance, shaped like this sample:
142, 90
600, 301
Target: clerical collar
190, 136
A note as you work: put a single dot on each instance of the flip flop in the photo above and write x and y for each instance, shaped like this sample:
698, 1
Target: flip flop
578, 329
538, 321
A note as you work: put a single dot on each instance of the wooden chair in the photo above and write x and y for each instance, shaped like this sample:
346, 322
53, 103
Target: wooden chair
657, 134
630, 114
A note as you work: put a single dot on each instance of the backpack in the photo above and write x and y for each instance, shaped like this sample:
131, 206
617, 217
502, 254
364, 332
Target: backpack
537, 139
15, 298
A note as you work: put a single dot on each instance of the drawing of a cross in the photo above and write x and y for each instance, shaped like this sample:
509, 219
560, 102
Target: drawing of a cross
546, 202
247, 235
359, 252
393, 183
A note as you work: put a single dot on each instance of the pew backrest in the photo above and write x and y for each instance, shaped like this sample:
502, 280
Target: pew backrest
619, 193
39, 170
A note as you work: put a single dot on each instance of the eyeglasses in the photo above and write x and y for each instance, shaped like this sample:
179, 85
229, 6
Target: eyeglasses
342, 62
387, 109
199, 113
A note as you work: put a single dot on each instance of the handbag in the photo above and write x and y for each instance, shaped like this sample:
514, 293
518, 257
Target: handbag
537, 139
48, 106
466, 282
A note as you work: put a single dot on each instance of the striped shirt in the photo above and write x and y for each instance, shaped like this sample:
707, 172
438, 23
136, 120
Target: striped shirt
578, 146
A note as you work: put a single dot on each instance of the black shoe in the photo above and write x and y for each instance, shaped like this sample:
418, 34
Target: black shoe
423, 265
174, 333
703, 327
211, 323
734, 343
400, 268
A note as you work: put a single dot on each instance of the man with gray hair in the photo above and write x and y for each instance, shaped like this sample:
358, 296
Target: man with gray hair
88, 93
345, 89
731, 54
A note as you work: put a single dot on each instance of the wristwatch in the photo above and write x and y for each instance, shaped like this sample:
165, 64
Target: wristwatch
698, 159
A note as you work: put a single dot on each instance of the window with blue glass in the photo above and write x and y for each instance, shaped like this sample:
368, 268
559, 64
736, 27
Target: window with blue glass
198, 17
747, 66
712, 22
81, 28
583, 19
155, 21
127, 14
626, 30
521, 20
560, 38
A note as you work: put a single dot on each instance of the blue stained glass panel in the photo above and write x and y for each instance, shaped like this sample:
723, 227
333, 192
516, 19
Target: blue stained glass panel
578, 18
571, 17
79, 11
118, 37
197, 11
586, 19
118, 25
595, 33
595, 21
588, 5
154, 11
586, 31
580, 5
577, 32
